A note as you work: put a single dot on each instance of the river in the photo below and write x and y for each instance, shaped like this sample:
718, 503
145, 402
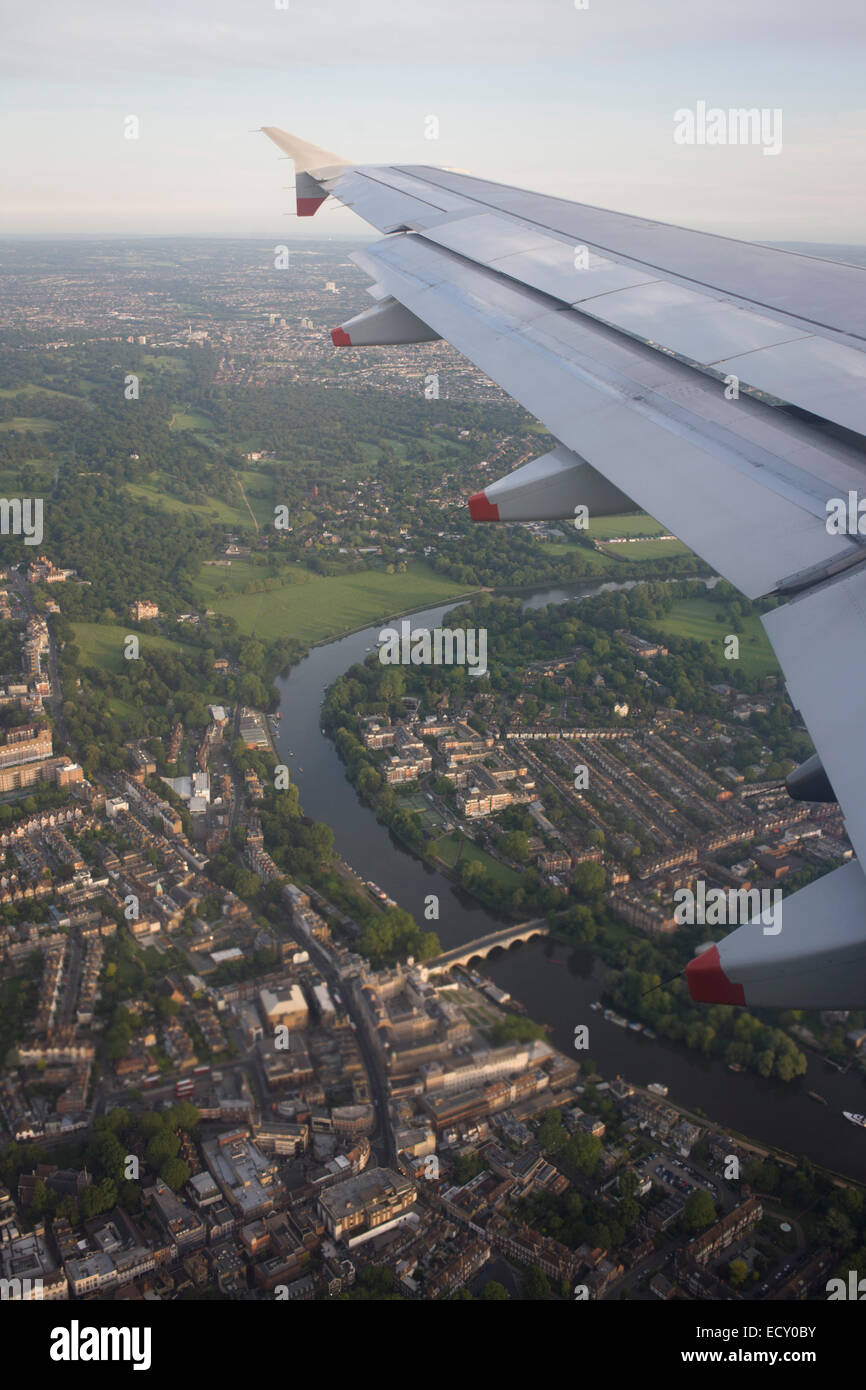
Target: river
557, 984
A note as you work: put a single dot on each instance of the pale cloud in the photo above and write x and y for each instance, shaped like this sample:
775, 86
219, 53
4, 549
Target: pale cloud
193, 38
530, 92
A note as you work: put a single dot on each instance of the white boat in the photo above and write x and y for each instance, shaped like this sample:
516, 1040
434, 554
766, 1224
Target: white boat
855, 1119
615, 1018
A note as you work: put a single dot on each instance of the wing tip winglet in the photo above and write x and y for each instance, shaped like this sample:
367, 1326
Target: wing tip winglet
708, 983
481, 509
308, 207
340, 338
306, 157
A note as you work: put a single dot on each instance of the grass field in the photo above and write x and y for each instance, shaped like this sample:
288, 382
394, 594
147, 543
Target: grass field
646, 550
254, 482
432, 442
191, 420
455, 849
601, 528
696, 618
211, 578
633, 524
102, 644
599, 564
122, 708
164, 361
215, 507
32, 390
32, 424
430, 818
320, 607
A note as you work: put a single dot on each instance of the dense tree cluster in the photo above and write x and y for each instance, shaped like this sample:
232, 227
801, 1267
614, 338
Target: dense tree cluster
154, 1139
735, 1036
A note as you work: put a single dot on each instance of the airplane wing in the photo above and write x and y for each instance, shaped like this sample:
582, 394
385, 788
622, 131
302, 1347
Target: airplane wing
715, 384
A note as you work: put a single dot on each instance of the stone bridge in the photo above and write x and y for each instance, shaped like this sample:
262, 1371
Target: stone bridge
508, 936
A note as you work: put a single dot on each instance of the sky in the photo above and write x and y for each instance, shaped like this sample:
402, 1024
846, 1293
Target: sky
578, 102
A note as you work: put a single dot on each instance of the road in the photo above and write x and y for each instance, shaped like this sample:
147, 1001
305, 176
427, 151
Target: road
382, 1140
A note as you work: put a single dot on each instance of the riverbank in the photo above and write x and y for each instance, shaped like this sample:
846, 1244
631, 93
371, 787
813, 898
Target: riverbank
556, 983
404, 613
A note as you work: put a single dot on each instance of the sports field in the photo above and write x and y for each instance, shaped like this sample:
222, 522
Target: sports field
455, 849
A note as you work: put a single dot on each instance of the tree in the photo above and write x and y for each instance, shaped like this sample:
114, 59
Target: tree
68, 1208
737, 1271
589, 880
629, 1211
515, 844
467, 1167
494, 1292
699, 1211
41, 1199
552, 1135
183, 1115
162, 1147
174, 1173
535, 1283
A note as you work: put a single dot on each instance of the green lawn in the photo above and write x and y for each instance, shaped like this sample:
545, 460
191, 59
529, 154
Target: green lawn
597, 562
696, 618
33, 424
255, 482
215, 507
212, 578
32, 390
647, 550
102, 644
317, 608
633, 524
191, 420
454, 849
122, 708
164, 361
601, 528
